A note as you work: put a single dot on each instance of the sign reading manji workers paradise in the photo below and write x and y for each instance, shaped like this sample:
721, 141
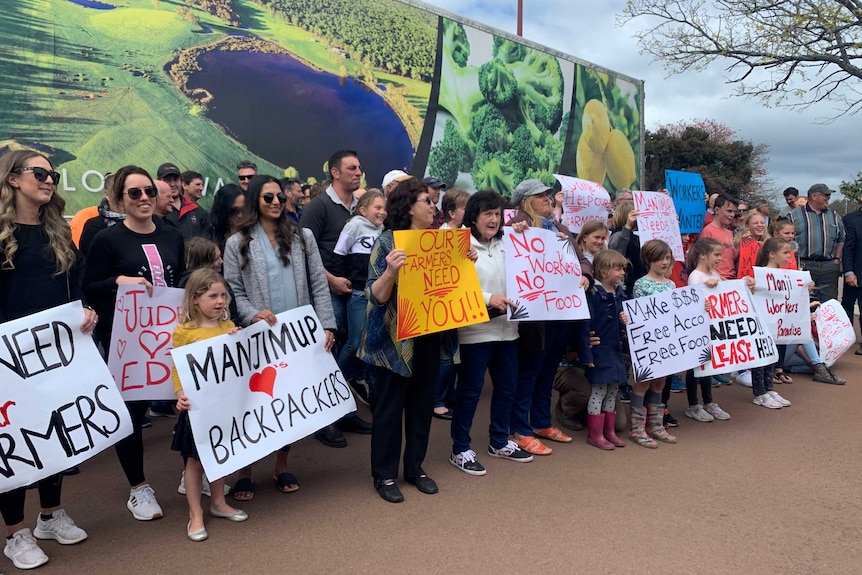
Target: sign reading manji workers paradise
139, 357
657, 220
781, 299
58, 403
835, 331
689, 196
583, 201
668, 332
739, 338
438, 287
259, 389
543, 277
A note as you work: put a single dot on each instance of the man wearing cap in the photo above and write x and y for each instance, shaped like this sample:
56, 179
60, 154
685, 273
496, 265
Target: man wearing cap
170, 174
391, 179
434, 187
820, 236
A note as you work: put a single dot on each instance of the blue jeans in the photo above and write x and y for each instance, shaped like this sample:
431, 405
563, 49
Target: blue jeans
350, 365
446, 384
500, 358
339, 308
792, 362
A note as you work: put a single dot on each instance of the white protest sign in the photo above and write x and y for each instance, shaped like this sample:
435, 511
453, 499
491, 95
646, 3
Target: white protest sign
259, 389
739, 338
781, 300
583, 201
543, 277
657, 220
668, 332
835, 331
60, 406
139, 356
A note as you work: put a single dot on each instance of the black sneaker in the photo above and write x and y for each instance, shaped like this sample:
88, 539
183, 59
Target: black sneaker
512, 452
625, 395
161, 410
466, 462
670, 421
145, 422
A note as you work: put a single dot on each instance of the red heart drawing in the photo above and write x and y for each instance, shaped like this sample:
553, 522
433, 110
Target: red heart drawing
151, 342
121, 347
263, 381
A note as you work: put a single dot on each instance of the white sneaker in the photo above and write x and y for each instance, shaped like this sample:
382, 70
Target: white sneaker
143, 505
60, 528
698, 413
23, 550
778, 398
766, 400
205, 486
743, 378
714, 410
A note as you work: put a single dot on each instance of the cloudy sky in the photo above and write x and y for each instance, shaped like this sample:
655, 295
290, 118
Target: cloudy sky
802, 149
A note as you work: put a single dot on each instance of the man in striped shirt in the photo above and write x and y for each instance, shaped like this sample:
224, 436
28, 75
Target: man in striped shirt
820, 235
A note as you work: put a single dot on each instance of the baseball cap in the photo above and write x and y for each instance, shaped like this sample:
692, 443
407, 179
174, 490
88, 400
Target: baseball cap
167, 169
820, 189
527, 188
433, 182
394, 176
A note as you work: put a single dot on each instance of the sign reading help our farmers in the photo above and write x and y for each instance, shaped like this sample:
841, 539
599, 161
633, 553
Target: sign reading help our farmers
781, 300
139, 357
543, 277
668, 332
259, 389
438, 287
834, 330
689, 196
58, 403
583, 201
657, 220
739, 338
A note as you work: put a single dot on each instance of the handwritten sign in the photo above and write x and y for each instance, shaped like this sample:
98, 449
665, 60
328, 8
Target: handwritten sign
689, 196
668, 332
739, 338
259, 389
781, 299
835, 331
583, 201
508, 215
58, 403
438, 287
657, 220
748, 248
542, 277
139, 357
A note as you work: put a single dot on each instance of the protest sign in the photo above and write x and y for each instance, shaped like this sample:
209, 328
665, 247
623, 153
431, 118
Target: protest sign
139, 356
835, 331
583, 201
739, 338
60, 406
668, 332
438, 287
689, 196
781, 300
657, 220
748, 248
259, 389
543, 277
508, 215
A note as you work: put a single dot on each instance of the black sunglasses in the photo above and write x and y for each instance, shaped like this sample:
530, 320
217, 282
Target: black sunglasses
41, 174
136, 193
245, 177
268, 197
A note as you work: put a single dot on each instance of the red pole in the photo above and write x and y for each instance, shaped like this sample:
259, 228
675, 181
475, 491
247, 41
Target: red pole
520, 17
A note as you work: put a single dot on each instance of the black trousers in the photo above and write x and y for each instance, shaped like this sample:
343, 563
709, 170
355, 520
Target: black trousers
12, 502
130, 450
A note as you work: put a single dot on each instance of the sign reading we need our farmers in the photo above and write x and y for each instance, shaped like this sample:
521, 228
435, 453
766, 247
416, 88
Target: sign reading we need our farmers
739, 338
58, 403
668, 332
781, 299
259, 389
543, 277
139, 356
657, 220
438, 287
583, 201
689, 196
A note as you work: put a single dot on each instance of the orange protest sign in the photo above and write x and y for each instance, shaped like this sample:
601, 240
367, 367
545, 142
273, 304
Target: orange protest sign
748, 248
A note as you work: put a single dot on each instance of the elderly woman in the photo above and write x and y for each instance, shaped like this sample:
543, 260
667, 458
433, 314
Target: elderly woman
272, 265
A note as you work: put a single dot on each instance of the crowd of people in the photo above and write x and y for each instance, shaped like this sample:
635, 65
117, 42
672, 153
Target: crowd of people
331, 246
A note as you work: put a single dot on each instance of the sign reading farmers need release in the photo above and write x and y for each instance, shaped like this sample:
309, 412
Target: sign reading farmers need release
834, 330
739, 338
139, 357
689, 196
657, 220
543, 276
583, 201
781, 299
58, 403
259, 389
668, 332
438, 287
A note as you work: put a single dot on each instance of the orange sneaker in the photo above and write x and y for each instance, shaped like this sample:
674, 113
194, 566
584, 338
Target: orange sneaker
554, 434
533, 446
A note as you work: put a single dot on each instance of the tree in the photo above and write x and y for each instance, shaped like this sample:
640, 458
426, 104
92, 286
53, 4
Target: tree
852, 190
792, 53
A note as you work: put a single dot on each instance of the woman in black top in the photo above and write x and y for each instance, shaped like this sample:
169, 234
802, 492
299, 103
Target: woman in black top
39, 269
144, 251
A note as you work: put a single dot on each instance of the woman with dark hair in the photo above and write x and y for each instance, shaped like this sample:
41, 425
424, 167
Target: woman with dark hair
272, 266
141, 250
39, 269
226, 213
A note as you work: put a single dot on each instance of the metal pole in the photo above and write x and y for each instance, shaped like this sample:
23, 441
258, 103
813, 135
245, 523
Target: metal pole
520, 17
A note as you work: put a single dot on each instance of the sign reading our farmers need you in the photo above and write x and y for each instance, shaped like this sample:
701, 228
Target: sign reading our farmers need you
781, 299
689, 196
58, 403
657, 220
583, 201
438, 287
259, 389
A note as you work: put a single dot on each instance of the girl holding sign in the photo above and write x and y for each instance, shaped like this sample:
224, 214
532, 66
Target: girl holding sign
39, 269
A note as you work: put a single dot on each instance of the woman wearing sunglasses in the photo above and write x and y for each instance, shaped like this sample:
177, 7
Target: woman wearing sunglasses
272, 266
39, 269
142, 250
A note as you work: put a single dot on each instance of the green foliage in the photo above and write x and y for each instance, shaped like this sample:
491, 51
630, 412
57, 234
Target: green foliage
455, 42
495, 174
852, 190
507, 51
449, 156
497, 83
491, 132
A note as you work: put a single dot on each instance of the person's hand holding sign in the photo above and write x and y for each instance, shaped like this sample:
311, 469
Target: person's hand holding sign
395, 261
264, 315
136, 281
90, 320
499, 302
